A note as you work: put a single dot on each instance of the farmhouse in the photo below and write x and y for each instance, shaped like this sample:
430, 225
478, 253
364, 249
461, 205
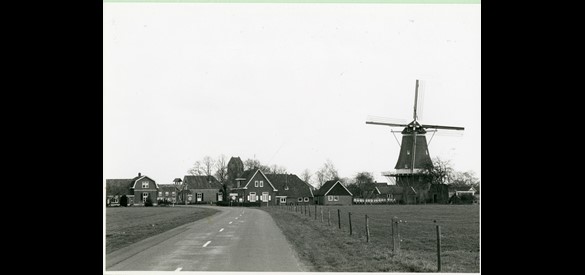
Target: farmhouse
200, 189
254, 186
291, 189
135, 190
333, 192
168, 193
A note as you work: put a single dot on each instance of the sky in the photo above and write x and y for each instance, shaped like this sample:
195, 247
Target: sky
287, 84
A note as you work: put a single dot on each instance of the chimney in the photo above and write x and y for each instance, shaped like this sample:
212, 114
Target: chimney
139, 174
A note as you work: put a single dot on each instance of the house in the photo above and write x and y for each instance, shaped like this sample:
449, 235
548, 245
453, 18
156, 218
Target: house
116, 189
136, 190
333, 192
168, 193
254, 186
291, 189
200, 189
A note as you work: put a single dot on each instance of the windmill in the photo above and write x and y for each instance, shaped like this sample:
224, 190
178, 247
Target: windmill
414, 153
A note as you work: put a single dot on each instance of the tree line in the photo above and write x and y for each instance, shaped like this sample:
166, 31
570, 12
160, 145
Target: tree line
362, 184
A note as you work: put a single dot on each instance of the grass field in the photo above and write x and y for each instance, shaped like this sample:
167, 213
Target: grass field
127, 225
327, 248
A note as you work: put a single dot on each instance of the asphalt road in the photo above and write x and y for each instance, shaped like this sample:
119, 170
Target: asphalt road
235, 239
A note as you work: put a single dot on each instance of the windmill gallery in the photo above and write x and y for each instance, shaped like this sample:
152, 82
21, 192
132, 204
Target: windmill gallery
413, 183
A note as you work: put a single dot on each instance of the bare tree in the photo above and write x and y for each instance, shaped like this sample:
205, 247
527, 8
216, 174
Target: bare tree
438, 172
306, 176
327, 172
221, 168
207, 163
254, 163
197, 169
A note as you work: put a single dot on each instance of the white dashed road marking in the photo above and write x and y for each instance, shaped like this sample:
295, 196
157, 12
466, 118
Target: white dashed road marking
236, 218
221, 230
206, 243
231, 222
178, 269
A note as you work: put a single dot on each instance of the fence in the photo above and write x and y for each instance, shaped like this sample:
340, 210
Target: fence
408, 231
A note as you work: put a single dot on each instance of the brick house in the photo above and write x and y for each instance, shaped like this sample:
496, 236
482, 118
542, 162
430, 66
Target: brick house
333, 192
137, 190
254, 186
291, 189
168, 193
200, 189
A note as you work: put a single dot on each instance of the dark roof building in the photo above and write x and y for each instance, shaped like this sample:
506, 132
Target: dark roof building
201, 182
290, 185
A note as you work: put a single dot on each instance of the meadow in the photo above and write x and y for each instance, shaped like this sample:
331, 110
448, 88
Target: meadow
127, 225
327, 248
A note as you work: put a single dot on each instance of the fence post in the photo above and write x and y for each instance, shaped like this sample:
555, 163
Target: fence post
398, 241
339, 218
309, 208
321, 214
329, 217
438, 248
367, 230
350, 231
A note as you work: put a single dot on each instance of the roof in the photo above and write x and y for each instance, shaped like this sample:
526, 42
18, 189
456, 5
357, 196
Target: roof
118, 186
249, 174
296, 186
136, 179
167, 187
201, 182
391, 189
380, 184
327, 186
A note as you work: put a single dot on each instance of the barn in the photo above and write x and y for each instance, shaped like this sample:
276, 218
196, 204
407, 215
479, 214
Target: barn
333, 192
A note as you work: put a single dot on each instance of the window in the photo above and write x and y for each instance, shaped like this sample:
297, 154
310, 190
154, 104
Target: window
160, 194
174, 193
145, 184
253, 196
261, 183
306, 199
166, 193
190, 197
330, 198
144, 196
256, 183
300, 199
199, 196
408, 152
286, 188
335, 198
264, 196
282, 200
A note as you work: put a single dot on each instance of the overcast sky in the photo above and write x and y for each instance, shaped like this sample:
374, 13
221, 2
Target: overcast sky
291, 84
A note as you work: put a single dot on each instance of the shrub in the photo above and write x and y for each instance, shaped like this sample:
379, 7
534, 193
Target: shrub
124, 201
467, 199
148, 201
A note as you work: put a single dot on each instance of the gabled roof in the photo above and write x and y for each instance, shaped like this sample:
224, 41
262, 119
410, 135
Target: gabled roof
250, 174
118, 187
327, 186
296, 186
136, 179
380, 184
201, 182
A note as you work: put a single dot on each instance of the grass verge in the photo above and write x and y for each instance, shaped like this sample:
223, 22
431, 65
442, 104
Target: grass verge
325, 248
127, 225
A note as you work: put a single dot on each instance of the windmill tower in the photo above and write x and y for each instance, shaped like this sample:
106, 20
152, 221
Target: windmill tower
414, 156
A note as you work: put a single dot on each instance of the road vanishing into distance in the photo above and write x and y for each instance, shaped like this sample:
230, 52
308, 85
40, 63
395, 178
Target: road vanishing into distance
235, 239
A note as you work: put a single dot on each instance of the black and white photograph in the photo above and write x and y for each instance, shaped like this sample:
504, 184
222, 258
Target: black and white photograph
290, 136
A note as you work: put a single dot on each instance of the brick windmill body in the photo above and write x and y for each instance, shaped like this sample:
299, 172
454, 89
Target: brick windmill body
414, 159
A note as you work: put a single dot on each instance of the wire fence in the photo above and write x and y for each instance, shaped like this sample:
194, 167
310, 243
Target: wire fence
398, 228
